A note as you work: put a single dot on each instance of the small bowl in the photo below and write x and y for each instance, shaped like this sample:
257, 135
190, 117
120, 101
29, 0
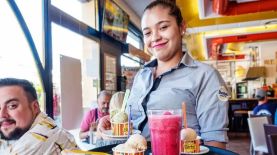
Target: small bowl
190, 146
121, 129
127, 153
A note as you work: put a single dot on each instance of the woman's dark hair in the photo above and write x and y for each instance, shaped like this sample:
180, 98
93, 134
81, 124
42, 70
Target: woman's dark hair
24, 84
174, 10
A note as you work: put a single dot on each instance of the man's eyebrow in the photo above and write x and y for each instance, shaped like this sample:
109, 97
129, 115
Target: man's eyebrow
160, 22
11, 100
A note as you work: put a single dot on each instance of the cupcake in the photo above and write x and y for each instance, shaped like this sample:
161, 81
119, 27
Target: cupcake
135, 145
119, 123
189, 141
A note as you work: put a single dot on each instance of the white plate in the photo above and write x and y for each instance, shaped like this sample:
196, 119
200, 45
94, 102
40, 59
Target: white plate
203, 150
109, 134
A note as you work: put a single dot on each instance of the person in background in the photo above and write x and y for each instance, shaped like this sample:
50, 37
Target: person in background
115, 104
24, 129
92, 116
275, 117
115, 107
56, 107
175, 77
264, 107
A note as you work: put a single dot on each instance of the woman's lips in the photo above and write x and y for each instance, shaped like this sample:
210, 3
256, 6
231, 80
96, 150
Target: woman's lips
160, 45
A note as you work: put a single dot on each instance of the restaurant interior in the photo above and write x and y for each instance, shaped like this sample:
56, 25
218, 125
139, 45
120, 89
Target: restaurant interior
73, 49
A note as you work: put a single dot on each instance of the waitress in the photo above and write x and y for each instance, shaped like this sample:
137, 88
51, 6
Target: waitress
175, 77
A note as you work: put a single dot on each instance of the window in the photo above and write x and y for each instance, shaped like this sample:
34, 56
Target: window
87, 51
16, 59
85, 11
134, 40
32, 13
129, 61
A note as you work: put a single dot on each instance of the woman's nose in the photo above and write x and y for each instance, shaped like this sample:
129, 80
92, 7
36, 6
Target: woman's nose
155, 36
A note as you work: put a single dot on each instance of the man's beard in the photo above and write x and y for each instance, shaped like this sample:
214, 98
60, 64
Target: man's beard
105, 110
15, 134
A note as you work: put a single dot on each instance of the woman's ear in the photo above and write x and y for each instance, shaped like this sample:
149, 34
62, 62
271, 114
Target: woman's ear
183, 28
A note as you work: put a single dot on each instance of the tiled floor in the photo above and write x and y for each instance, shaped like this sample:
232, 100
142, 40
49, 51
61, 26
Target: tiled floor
239, 143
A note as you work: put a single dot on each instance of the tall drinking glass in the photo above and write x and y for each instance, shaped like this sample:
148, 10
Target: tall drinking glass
165, 126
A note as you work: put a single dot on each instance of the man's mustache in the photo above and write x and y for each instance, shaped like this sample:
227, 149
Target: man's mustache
105, 110
6, 120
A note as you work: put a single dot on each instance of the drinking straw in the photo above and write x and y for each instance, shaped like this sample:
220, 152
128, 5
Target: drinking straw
184, 114
126, 96
129, 121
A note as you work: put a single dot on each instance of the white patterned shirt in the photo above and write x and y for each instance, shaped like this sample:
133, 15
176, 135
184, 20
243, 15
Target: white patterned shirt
44, 138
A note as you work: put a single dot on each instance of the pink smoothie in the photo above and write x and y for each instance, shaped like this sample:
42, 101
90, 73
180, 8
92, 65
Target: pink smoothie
165, 134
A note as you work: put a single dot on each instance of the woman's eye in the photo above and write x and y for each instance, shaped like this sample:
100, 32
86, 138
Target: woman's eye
146, 34
163, 27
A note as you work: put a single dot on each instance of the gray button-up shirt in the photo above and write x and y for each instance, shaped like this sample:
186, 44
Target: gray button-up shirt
193, 82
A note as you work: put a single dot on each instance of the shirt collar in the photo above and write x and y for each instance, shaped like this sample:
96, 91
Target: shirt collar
41, 116
186, 60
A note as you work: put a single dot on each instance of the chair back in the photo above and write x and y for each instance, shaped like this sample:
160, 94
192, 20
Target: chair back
273, 143
269, 118
256, 128
270, 130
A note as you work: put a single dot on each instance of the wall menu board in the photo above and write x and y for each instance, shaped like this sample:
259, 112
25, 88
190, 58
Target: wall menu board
110, 72
115, 21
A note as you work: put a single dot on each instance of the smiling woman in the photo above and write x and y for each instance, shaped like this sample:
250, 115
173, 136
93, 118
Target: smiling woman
175, 77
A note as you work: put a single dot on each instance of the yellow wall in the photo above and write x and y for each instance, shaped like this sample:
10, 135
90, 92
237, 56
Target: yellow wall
194, 44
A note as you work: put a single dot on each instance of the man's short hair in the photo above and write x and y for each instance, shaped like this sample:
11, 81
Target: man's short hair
260, 94
104, 93
24, 84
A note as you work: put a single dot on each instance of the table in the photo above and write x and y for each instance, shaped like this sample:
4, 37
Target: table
213, 150
82, 145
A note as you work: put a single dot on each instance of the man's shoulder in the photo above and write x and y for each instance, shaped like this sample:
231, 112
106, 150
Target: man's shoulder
263, 109
92, 111
48, 128
90, 114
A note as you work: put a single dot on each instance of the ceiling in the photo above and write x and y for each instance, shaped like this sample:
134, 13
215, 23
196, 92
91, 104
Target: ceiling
200, 17
138, 5
204, 23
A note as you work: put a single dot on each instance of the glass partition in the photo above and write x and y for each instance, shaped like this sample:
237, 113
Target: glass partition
75, 48
85, 11
16, 58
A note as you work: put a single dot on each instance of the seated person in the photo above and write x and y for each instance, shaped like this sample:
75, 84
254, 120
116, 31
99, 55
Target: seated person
24, 129
115, 106
92, 116
264, 107
275, 118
